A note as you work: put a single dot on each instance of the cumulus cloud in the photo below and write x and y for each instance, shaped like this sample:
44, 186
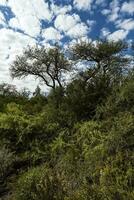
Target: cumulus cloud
105, 11
114, 7
29, 24
3, 2
14, 23
118, 35
128, 7
83, 4
52, 34
105, 32
71, 25
112, 13
2, 19
12, 44
61, 9
28, 15
91, 23
37, 8
100, 2
66, 22
127, 24
78, 31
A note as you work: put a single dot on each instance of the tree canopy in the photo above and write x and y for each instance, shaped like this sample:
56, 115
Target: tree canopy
46, 64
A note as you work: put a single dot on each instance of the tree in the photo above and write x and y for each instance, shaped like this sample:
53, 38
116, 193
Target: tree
46, 64
105, 60
105, 66
8, 90
9, 93
37, 92
120, 100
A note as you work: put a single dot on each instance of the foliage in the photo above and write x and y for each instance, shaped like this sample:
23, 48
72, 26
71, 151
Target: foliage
77, 142
6, 161
38, 183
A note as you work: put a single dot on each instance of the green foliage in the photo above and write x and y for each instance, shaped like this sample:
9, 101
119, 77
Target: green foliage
27, 135
97, 163
83, 97
120, 100
6, 161
77, 142
8, 94
38, 183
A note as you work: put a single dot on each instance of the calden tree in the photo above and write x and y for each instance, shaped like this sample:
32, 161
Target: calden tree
105, 60
48, 65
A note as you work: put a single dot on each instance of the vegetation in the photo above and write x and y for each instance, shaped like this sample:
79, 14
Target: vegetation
77, 142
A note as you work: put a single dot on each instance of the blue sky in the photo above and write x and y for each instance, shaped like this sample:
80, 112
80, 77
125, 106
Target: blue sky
30, 22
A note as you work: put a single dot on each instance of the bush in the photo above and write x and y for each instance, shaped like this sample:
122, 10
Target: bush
39, 183
6, 161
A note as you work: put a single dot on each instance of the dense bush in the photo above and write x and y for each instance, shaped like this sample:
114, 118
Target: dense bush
38, 183
77, 142
6, 161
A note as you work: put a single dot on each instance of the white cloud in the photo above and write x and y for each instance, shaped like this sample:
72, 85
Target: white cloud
51, 34
78, 31
61, 9
29, 82
71, 25
127, 24
3, 2
66, 22
28, 14
113, 16
38, 8
105, 11
114, 7
83, 4
28, 23
100, 2
41, 9
2, 19
113, 12
91, 22
12, 44
118, 35
14, 23
128, 7
105, 32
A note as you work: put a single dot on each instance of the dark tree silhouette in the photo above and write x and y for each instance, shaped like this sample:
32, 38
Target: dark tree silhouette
46, 64
105, 58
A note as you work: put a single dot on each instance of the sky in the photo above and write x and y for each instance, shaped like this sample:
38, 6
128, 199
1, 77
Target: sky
31, 22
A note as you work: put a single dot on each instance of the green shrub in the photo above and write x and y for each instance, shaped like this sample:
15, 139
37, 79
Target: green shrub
39, 183
6, 160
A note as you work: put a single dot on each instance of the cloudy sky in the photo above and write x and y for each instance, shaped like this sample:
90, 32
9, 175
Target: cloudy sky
30, 22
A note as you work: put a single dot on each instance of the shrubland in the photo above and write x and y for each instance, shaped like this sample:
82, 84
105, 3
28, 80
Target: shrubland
77, 142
